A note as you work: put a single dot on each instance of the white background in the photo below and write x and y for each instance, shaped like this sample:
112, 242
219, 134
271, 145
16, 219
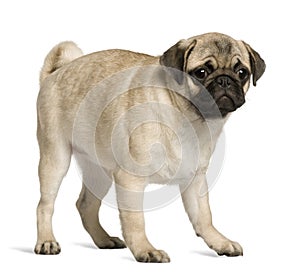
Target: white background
256, 199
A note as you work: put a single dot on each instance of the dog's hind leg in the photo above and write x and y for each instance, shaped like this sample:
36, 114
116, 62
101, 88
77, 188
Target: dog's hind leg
54, 163
88, 205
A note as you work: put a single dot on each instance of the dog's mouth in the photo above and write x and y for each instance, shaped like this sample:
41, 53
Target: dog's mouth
226, 105
209, 107
227, 99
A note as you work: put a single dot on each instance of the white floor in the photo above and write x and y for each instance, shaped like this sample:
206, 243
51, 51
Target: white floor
267, 232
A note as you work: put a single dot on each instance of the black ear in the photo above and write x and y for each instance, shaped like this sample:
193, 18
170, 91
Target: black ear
257, 64
176, 57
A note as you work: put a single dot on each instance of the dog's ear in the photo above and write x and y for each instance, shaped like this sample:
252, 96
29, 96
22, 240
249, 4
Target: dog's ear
176, 57
257, 64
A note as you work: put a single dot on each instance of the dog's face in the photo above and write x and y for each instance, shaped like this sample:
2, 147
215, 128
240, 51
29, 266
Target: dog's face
219, 63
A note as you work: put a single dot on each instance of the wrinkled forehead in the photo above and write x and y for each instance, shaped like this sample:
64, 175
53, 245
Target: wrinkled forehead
223, 52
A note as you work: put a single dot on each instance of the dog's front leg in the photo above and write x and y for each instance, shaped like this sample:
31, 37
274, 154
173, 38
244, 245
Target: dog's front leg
130, 193
196, 203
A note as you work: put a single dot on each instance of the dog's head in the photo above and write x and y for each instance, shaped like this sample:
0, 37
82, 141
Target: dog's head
219, 63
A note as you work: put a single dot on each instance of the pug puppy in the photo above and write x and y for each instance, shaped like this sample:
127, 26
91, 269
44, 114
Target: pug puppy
110, 108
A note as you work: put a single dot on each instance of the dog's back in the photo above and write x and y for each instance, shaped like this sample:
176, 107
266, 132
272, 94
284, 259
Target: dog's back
67, 76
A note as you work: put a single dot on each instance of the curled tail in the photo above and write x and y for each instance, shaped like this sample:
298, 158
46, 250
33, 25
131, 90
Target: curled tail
60, 55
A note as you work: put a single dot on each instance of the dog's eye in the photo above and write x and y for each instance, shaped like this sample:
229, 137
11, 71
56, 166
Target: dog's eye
242, 73
200, 73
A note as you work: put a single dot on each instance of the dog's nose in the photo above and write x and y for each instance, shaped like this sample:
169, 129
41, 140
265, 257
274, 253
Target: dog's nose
224, 81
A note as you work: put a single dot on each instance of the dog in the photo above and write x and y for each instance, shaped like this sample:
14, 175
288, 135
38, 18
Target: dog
134, 119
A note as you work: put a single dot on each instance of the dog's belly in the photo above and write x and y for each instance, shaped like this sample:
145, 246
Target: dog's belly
162, 158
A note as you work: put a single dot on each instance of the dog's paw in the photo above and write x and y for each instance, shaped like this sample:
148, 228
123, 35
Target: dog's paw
47, 248
153, 256
111, 243
227, 248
